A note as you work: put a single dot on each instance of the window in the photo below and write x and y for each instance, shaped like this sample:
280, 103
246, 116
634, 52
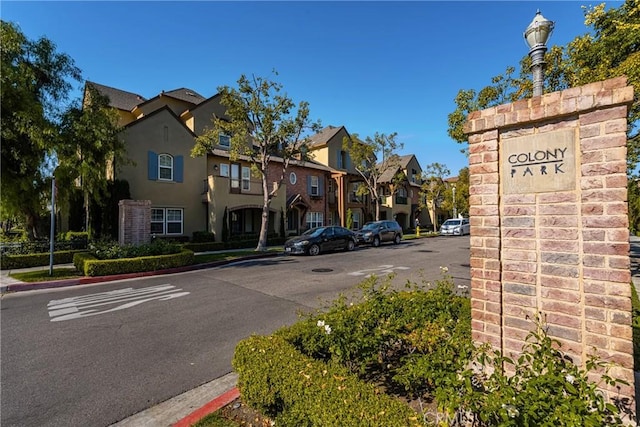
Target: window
166, 220
314, 219
224, 140
165, 167
246, 178
356, 220
174, 221
315, 189
157, 221
224, 169
293, 178
235, 177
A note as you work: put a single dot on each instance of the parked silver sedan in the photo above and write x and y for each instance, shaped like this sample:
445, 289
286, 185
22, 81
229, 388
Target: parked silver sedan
455, 227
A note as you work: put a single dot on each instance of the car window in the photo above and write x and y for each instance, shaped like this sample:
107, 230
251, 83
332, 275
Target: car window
370, 226
314, 232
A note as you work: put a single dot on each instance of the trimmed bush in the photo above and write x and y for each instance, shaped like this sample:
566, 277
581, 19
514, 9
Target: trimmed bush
96, 267
296, 390
10, 262
80, 258
203, 237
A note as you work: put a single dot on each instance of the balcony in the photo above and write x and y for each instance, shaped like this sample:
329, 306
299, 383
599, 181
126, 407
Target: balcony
223, 188
401, 200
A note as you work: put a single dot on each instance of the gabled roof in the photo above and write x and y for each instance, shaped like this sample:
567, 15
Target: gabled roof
185, 94
405, 160
119, 99
158, 111
324, 136
387, 176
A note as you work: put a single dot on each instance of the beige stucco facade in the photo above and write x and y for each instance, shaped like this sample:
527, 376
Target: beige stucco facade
161, 133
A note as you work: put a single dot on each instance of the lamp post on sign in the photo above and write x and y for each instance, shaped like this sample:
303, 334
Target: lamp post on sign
536, 35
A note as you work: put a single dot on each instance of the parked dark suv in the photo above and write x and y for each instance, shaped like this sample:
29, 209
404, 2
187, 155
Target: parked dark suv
377, 232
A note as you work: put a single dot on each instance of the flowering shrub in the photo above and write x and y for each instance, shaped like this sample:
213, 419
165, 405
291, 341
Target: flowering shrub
542, 387
415, 338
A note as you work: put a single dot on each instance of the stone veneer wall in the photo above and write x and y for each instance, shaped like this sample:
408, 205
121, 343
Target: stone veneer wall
134, 222
564, 253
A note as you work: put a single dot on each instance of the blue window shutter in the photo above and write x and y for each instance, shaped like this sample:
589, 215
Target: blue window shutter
339, 159
320, 185
308, 185
152, 166
348, 161
178, 168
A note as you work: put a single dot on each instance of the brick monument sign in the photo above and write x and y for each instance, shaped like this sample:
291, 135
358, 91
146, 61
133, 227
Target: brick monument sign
549, 224
134, 222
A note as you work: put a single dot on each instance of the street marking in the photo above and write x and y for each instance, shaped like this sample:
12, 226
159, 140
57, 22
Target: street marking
87, 305
381, 269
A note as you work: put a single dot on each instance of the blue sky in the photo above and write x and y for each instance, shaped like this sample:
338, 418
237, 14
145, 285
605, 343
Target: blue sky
370, 66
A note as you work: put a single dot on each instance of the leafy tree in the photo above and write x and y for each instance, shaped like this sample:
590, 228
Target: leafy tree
349, 219
610, 49
89, 142
365, 158
433, 189
462, 192
263, 124
33, 84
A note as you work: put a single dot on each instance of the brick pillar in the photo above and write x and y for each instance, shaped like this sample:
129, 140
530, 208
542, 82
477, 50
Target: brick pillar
549, 224
134, 221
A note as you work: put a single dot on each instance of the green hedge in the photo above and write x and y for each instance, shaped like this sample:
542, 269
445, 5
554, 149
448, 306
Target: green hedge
10, 262
296, 390
91, 266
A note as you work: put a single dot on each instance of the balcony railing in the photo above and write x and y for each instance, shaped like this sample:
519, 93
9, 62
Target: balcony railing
401, 200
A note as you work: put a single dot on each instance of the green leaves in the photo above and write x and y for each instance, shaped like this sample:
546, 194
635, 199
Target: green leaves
263, 124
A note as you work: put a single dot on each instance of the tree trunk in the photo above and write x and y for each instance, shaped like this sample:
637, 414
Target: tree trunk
262, 240
32, 225
377, 209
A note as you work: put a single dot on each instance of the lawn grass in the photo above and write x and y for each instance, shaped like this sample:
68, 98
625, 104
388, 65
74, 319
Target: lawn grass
43, 275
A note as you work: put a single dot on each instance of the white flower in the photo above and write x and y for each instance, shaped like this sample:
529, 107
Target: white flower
320, 323
570, 378
327, 329
444, 269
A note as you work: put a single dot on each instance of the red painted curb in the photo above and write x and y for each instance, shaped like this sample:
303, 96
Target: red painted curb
87, 280
214, 405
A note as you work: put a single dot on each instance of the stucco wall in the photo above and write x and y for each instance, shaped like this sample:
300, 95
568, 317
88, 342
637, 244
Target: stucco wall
163, 133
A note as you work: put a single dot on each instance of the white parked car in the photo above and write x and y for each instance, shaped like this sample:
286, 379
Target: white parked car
455, 227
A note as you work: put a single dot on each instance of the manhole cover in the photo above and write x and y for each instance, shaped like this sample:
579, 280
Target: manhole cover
322, 270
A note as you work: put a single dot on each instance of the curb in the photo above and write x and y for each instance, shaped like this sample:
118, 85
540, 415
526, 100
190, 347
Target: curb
24, 286
214, 405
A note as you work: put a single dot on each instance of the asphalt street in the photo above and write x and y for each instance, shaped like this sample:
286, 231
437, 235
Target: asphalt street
94, 355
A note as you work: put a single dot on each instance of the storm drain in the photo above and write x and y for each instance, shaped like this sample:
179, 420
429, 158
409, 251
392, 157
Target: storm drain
322, 270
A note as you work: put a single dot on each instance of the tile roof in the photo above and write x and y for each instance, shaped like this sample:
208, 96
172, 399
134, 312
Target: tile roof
185, 94
119, 99
325, 134
387, 175
404, 160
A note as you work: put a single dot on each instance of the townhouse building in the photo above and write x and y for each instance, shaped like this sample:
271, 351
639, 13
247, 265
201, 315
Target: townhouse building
326, 147
190, 194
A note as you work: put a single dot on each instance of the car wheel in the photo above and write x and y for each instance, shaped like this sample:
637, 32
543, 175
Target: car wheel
350, 245
313, 250
376, 242
396, 240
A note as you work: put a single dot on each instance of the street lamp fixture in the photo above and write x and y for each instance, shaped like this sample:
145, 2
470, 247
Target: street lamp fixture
536, 35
